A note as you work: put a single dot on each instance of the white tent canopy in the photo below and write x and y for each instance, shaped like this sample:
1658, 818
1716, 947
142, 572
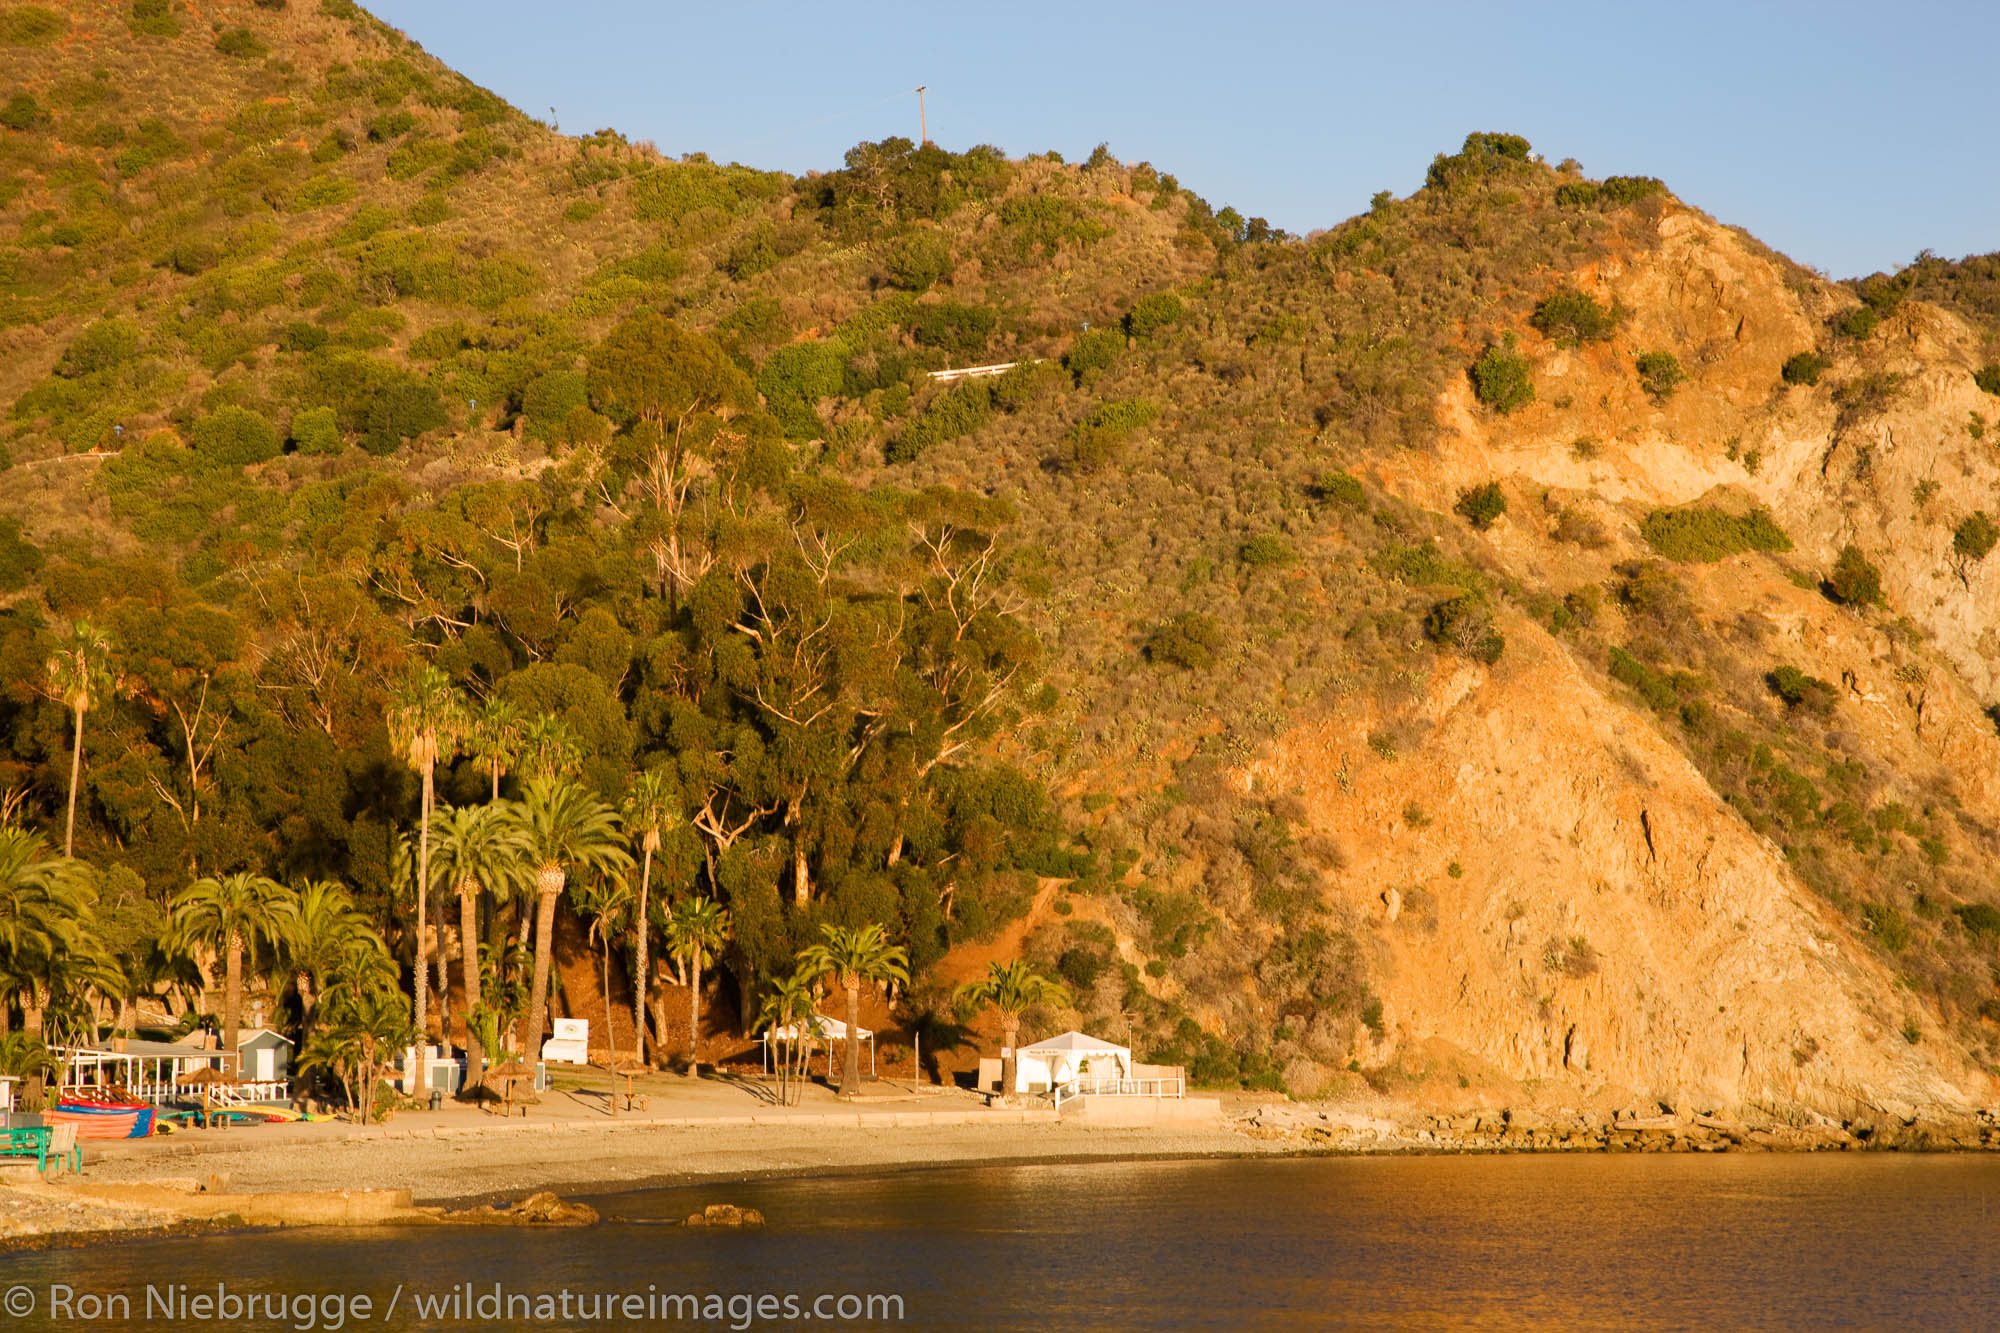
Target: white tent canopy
820, 1028
1064, 1058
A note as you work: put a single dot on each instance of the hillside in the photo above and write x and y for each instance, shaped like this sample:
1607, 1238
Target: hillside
1528, 633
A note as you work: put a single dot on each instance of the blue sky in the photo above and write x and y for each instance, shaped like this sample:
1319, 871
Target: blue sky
1849, 136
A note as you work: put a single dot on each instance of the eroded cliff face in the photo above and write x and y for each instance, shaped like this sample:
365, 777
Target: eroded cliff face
1613, 929
1554, 888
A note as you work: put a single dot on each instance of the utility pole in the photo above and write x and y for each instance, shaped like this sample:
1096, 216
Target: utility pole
923, 124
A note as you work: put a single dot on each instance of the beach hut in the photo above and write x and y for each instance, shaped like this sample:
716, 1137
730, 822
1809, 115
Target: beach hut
266, 1056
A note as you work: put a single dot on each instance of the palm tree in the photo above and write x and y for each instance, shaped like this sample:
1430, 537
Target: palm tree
425, 721
1012, 988
494, 738
696, 931
606, 900
232, 915
650, 809
478, 849
852, 955
79, 673
787, 1009
549, 749
328, 921
565, 827
48, 945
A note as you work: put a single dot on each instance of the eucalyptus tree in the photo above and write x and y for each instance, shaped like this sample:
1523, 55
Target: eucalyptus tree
479, 850
565, 828
696, 931
231, 916
78, 674
1011, 988
850, 956
426, 720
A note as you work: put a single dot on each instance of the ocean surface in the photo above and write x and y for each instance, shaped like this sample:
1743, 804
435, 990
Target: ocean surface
1490, 1243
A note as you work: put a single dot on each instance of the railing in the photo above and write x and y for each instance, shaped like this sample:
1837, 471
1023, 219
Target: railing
973, 372
1116, 1087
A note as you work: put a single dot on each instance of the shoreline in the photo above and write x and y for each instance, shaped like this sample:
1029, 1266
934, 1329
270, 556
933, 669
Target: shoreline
186, 1185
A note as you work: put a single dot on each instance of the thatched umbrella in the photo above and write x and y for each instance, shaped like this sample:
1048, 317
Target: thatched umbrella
206, 1077
628, 1068
510, 1073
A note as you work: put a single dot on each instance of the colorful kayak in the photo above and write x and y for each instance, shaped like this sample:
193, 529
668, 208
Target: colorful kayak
105, 1119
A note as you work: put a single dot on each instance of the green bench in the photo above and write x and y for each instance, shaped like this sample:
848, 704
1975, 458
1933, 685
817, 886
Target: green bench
28, 1141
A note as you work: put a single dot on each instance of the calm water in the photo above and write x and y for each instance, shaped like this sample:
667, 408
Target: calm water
1876, 1242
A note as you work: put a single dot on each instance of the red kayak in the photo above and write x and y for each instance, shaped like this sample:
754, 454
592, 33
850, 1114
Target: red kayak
104, 1118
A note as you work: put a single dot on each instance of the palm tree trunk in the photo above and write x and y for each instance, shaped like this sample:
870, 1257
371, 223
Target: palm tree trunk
232, 991
468, 922
308, 1000
610, 1029
443, 960
75, 772
421, 1075
1010, 1033
538, 997
694, 1017
639, 959
850, 1074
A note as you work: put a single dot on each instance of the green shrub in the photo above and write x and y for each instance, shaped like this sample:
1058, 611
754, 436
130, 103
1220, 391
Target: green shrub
548, 400
1093, 351
314, 431
1981, 920
1660, 373
403, 409
919, 260
1100, 437
241, 43
1265, 550
960, 411
234, 436
1856, 323
962, 332
1804, 368
1611, 192
1040, 222
1887, 925
101, 346
1801, 691
1974, 537
1571, 316
1340, 488
1153, 313
22, 112
1855, 581
1620, 190
20, 559
1190, 640
1481, 505
1502, 380
1987, 377
1462, 624
1654, 688
1698, 535
322, 191
154, 18
794, 378
31, 25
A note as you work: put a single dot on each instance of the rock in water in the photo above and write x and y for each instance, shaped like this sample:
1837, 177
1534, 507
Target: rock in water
726, 1215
